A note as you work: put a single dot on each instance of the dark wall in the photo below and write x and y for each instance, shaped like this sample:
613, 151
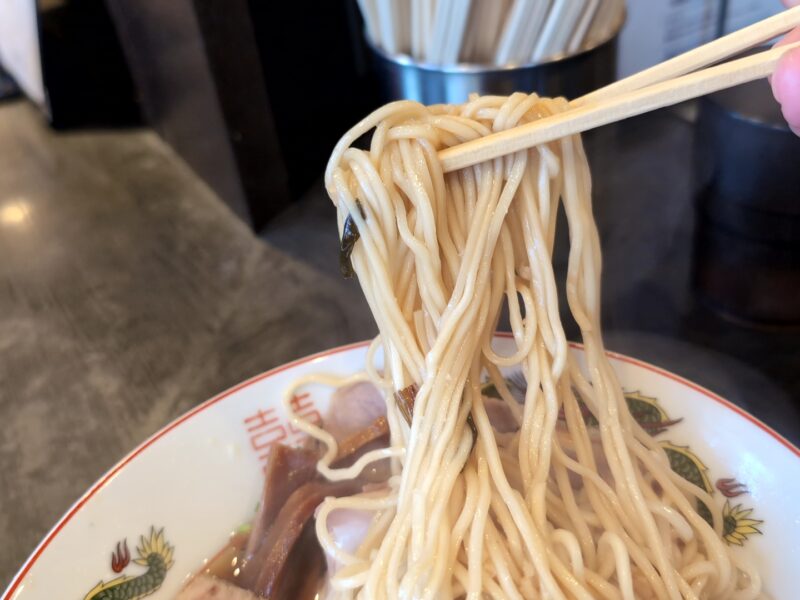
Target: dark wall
252, 94
84, 71
230, 44
167, 57
315, 73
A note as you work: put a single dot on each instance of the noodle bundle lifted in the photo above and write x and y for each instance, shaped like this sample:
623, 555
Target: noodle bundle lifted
547, 509
423, 484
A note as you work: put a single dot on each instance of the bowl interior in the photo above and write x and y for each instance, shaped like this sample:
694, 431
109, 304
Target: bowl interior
199, 478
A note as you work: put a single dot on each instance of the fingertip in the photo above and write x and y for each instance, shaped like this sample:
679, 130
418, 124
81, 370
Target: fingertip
786, 86
790, 38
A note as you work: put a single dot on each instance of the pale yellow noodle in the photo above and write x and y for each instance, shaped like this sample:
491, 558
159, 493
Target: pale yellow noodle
555, 509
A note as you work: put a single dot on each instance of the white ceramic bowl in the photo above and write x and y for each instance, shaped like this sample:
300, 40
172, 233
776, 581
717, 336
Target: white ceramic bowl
200, 477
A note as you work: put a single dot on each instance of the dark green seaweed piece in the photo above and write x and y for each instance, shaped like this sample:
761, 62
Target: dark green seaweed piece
350, 236
474, 430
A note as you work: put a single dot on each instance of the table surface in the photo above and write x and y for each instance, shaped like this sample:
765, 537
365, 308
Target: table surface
129, 294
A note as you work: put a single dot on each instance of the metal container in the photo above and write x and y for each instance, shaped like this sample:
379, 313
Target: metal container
401, 77
747, 251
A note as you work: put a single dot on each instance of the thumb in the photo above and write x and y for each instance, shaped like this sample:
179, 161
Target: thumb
791, 37
786, 88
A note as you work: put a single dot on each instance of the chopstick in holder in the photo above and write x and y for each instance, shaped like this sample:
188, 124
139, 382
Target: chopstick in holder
510, 33
417, 39
428, 19
438, 32
590, 116
491, 33
558, 28
582, 28
533, 30
370, 14
707, 54
386, 24
401, 13
482, 30
608, 14
455, 32
473, 30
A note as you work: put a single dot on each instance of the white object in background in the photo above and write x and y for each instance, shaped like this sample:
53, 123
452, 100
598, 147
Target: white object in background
459, 14
483, 30
660, 29
418, 39
511, 32
438, 31
19, 46
605, 19
579, 36
558, 29
387, 20
533, 29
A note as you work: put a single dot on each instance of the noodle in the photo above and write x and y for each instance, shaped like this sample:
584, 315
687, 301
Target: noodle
547, 510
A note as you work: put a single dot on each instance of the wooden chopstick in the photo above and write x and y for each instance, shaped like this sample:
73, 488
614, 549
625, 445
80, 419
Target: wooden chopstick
700, 57
589, 116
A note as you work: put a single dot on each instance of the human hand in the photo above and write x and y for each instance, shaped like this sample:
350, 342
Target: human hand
786, 79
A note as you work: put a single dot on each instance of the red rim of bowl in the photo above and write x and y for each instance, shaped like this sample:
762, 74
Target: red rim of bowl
105, 479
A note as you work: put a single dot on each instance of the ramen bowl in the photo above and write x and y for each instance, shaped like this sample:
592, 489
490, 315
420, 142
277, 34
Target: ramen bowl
184, 490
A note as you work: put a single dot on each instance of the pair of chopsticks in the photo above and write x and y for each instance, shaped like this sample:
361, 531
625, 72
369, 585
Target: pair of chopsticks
663, 85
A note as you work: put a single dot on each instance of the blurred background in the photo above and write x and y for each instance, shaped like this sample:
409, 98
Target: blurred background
252, 97
164, 232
